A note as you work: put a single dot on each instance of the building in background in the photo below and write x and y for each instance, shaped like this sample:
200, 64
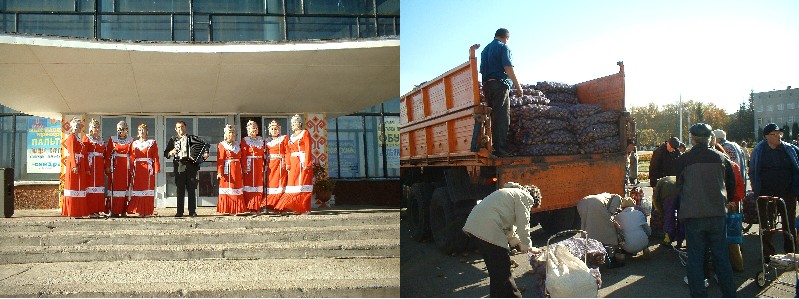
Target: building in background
208, 63
777, 106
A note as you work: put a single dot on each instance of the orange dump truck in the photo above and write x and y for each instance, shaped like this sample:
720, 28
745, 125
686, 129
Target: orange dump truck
444, 179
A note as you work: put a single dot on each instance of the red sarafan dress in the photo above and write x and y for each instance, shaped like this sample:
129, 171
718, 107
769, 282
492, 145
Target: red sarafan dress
75, 153
276, 173
146, 164
231, 193
253, 149
117, 157
297, 197
95, 191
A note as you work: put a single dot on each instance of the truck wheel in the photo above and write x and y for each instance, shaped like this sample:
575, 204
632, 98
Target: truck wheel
419, 210
446, 223
559, 220
462, 211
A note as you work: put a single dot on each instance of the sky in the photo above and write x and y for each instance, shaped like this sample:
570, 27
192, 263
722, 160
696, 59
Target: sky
707, 51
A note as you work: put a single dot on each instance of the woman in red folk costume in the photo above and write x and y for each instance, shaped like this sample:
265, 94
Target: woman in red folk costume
95, 192
300, 181
229, 173
253, 147
277, 147
76, 169
146, 164
117, 155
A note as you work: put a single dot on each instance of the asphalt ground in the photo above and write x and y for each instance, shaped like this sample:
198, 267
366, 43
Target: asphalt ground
427, 272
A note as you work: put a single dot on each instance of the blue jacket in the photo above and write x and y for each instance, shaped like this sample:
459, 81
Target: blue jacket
754, 166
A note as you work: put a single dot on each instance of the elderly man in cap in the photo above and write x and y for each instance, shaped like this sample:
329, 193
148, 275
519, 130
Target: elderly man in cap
662, 161
774, 171
733, 149
705, 178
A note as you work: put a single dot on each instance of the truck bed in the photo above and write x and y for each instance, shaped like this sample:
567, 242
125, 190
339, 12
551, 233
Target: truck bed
438, 117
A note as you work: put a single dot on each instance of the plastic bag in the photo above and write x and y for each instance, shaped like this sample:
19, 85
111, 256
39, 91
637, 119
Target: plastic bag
734, 223
568, 276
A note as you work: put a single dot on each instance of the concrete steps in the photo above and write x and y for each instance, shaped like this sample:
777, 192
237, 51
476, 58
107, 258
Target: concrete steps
340, 252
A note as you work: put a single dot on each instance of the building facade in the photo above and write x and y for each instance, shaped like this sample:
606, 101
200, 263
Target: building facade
203, 20
777, 106
208, 63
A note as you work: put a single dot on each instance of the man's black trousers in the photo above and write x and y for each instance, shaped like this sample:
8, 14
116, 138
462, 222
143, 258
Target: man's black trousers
497, 261
187, 181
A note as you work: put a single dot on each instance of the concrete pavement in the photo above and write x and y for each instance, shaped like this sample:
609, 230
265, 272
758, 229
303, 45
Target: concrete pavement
338, 252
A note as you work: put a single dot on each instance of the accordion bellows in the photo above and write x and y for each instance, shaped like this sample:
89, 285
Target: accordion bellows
197, 146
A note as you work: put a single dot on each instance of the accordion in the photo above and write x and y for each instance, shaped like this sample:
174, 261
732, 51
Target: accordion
197, 147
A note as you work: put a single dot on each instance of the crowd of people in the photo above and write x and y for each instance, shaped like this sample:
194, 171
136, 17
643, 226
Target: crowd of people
116, 177
694, 190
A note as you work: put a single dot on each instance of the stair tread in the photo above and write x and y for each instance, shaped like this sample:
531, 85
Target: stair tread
198, 275
330, 244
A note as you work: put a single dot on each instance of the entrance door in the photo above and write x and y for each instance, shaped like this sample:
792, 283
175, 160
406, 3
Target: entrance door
210, 129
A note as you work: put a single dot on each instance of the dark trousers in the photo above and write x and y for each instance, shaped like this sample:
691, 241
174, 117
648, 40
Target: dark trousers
187, 181
497, 261
703, 234
788, 221
497, 96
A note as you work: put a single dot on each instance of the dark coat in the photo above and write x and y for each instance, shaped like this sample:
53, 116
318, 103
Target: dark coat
662, 164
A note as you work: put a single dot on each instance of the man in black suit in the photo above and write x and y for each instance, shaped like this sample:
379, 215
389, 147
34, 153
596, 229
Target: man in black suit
185, 167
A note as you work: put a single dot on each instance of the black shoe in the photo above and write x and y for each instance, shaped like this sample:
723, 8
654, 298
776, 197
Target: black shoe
114, 215
193, 214
178, 215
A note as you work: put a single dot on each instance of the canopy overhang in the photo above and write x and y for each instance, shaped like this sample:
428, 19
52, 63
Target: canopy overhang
49, 76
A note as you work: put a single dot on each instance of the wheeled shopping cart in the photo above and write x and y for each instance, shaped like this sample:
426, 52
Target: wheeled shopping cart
771, 223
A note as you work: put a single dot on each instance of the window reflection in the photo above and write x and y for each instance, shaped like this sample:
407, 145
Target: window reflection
209, 184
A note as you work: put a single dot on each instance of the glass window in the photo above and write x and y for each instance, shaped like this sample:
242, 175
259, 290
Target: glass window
212, 130
388, 26
181, 28
388, 7
147, 6
247, 28
301, 28
366, 27
231, 6
208, 183
344, 150
122, 27
41, 5
338, 6
64, 25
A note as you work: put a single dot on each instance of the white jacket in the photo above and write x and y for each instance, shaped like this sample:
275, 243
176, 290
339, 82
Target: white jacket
502, 215
634, 229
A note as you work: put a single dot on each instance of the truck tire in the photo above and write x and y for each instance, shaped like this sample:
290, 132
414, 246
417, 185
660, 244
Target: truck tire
462, 211
446, 223
559, 220
419, 211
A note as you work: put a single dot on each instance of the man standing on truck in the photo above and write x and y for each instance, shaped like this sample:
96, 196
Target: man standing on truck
707, 182
498, 78
662, 162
